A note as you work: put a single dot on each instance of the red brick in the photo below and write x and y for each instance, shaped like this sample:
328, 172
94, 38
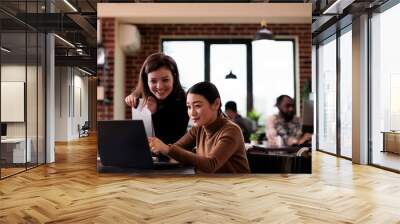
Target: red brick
151, 34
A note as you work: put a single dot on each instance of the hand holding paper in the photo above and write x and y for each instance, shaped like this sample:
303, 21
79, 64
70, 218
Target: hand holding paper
143, 113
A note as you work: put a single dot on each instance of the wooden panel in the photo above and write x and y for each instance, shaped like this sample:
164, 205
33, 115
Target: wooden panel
392, 142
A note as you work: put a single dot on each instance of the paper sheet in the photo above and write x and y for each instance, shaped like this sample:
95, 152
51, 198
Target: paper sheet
142, 113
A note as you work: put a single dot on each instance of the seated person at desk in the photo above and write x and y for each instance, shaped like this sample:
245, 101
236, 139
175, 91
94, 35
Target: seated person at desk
218, 141
284, 128
244, 123
162, 92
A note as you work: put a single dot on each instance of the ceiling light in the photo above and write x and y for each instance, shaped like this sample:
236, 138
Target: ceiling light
5, 50
231, 76
337, 7
70, 5
65, 41
84, 71
101, 55
264, 33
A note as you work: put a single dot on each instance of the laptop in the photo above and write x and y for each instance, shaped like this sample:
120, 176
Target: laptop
123, 143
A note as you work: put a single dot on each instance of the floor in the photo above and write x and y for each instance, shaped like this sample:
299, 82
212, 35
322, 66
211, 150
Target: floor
8, 171
71, 191
387, 159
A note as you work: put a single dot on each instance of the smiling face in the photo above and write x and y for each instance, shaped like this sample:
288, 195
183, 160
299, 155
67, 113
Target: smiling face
160, 83
200, 111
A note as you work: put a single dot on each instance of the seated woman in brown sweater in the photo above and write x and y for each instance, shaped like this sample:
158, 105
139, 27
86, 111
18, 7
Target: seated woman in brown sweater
219, 142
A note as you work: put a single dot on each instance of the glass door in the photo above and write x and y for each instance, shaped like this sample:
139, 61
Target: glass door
14, 154
385, 89
346, 94
327, 96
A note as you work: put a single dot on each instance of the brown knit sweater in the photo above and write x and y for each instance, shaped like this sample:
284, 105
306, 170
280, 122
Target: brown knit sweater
220, 148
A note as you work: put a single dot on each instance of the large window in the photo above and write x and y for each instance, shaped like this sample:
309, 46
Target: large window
334, 117
273, 74
346, 93
385, 88
189, 56
226, 58
264, 69
327, 96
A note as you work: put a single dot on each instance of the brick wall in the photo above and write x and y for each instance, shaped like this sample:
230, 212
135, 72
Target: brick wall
106, 75
151, 35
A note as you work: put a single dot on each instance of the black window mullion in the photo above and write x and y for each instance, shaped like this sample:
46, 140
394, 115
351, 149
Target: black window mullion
317, 97
249, 76
0, 91
37, 98
207, 60
369, 88
338, 97
295, 72
26, 88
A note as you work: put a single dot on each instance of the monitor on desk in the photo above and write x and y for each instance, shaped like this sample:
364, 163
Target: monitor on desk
3, 130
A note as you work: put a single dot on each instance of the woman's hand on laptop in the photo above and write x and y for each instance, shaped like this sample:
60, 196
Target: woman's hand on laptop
157, 146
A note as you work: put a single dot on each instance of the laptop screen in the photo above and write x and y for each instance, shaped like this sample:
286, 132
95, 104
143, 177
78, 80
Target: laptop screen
123, 143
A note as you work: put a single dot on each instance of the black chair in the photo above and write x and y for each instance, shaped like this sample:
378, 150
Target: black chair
84, 130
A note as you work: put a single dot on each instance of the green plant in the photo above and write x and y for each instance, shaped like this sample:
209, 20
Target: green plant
254, 137
253, 115
306, 90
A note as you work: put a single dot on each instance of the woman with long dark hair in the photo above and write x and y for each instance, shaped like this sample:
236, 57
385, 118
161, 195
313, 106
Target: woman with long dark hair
162, 93
218, 142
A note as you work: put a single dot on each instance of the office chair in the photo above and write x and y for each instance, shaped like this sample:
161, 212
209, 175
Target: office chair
84, 130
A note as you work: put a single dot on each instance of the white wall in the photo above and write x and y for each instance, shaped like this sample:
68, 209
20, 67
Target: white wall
14, 73
71, 102
61, 103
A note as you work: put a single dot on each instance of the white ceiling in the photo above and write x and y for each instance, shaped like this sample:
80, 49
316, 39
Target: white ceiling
169, 13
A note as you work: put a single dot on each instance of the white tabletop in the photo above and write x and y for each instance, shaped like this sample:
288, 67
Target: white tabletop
13, 140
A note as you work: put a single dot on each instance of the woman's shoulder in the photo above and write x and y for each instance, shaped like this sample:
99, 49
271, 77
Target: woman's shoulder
231, 127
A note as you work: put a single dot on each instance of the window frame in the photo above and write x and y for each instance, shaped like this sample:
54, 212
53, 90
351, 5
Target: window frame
378, 10
326, 39
249, 58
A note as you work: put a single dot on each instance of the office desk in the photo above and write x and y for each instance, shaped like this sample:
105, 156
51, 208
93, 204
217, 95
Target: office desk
182, 170
277, 160
391, 141
13, 150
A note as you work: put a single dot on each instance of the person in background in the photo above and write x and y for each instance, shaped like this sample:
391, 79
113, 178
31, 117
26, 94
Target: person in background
245, 124
218, 141
162, 93
284, 128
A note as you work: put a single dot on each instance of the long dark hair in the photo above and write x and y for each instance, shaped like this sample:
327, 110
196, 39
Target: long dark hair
208, 91
152, 63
